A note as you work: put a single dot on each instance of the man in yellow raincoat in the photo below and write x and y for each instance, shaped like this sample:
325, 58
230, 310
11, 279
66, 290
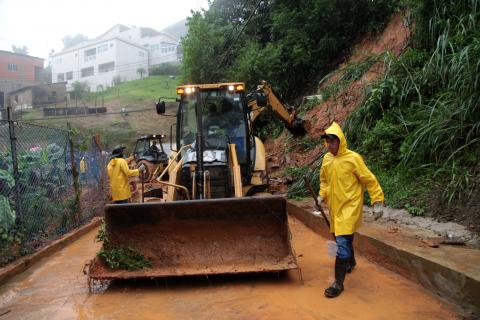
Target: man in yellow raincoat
118, 172
343, 178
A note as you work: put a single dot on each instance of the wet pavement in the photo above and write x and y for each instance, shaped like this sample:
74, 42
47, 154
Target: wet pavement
56, 288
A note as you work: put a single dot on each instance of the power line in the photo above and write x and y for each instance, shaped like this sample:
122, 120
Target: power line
230, 35
241, 31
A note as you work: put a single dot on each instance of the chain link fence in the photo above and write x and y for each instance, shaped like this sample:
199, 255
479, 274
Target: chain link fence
50, 184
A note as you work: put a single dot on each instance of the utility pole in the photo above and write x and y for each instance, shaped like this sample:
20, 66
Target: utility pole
16, 174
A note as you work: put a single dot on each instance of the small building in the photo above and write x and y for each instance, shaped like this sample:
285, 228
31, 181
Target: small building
17, 71
37, 96
21, 67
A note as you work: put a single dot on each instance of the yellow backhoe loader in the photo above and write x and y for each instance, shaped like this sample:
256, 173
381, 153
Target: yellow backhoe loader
218, 216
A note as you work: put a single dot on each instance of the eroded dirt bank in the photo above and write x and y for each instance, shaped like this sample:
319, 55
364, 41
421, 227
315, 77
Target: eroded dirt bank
57, 289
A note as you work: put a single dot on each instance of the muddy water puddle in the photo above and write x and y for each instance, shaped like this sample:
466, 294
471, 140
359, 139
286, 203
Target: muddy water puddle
56, 288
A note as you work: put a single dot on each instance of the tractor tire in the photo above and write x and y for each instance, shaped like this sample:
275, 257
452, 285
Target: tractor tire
149, 169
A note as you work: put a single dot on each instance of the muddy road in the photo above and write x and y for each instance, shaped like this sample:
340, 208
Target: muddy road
56, 288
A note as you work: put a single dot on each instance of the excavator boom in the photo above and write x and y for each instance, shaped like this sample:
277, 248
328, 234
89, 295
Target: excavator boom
264, 98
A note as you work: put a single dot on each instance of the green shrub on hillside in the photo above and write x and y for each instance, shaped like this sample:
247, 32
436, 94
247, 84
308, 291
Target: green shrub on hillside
166, 69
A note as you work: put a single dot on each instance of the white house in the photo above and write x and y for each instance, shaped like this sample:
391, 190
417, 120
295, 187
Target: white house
163, 47
99, 62
118, 53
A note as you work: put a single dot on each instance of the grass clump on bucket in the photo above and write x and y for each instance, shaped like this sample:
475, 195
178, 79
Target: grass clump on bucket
119, 257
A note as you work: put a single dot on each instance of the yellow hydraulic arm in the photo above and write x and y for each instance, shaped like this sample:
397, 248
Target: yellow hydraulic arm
264, 98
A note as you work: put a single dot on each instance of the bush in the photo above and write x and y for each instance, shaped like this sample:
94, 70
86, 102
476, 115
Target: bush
167, 69
80, 90
298, 189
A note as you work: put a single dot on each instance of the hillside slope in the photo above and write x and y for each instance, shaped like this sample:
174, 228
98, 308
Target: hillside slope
137, 98
286, 152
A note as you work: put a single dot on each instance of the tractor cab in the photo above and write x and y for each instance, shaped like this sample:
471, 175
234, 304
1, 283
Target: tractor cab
210, 118
150, 148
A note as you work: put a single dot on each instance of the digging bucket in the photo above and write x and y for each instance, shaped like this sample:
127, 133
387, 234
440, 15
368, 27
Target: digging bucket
200, 237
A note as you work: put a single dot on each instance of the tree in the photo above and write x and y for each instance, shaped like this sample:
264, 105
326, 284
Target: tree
203, 49
69, 41
141, 72
116, 81
46, 75
22, 50
79, 89
291, 44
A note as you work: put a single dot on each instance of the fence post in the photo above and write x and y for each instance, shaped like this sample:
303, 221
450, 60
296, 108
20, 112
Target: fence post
76, 185
16, 174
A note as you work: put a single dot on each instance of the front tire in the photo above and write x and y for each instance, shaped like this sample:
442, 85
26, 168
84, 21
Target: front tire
149, 169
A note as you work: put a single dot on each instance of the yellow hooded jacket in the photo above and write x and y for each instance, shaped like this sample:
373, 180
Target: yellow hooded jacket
342, 181
118, 173
83, 165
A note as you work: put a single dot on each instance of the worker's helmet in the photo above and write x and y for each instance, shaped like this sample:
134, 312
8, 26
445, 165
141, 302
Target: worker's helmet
118, 151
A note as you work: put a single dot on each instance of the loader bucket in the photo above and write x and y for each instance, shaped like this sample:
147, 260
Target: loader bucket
200, 237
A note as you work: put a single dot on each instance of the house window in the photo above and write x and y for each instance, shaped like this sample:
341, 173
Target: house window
106, 67
60, 77
69, 75
58, 61
16, 98
87, 72
111, 45
154, 47
102, 48
12, 67
141, 54
54, 95
90, 54
167, 47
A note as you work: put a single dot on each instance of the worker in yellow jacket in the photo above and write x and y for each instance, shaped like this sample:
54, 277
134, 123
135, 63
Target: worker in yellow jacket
83, 170
343, 178
118, 172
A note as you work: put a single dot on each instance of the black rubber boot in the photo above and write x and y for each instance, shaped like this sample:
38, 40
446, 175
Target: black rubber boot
351, 262
340, 271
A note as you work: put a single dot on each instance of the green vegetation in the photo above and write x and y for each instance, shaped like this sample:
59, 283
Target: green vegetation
420, 124
349, 73
298, 189
291, 44
120, 258
143, 91
124, 258
166, 69
48, 206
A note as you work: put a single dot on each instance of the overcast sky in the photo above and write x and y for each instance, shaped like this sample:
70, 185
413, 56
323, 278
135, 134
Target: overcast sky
41, 24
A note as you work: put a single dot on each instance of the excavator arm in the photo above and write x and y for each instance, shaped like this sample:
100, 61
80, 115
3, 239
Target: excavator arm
264, 98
